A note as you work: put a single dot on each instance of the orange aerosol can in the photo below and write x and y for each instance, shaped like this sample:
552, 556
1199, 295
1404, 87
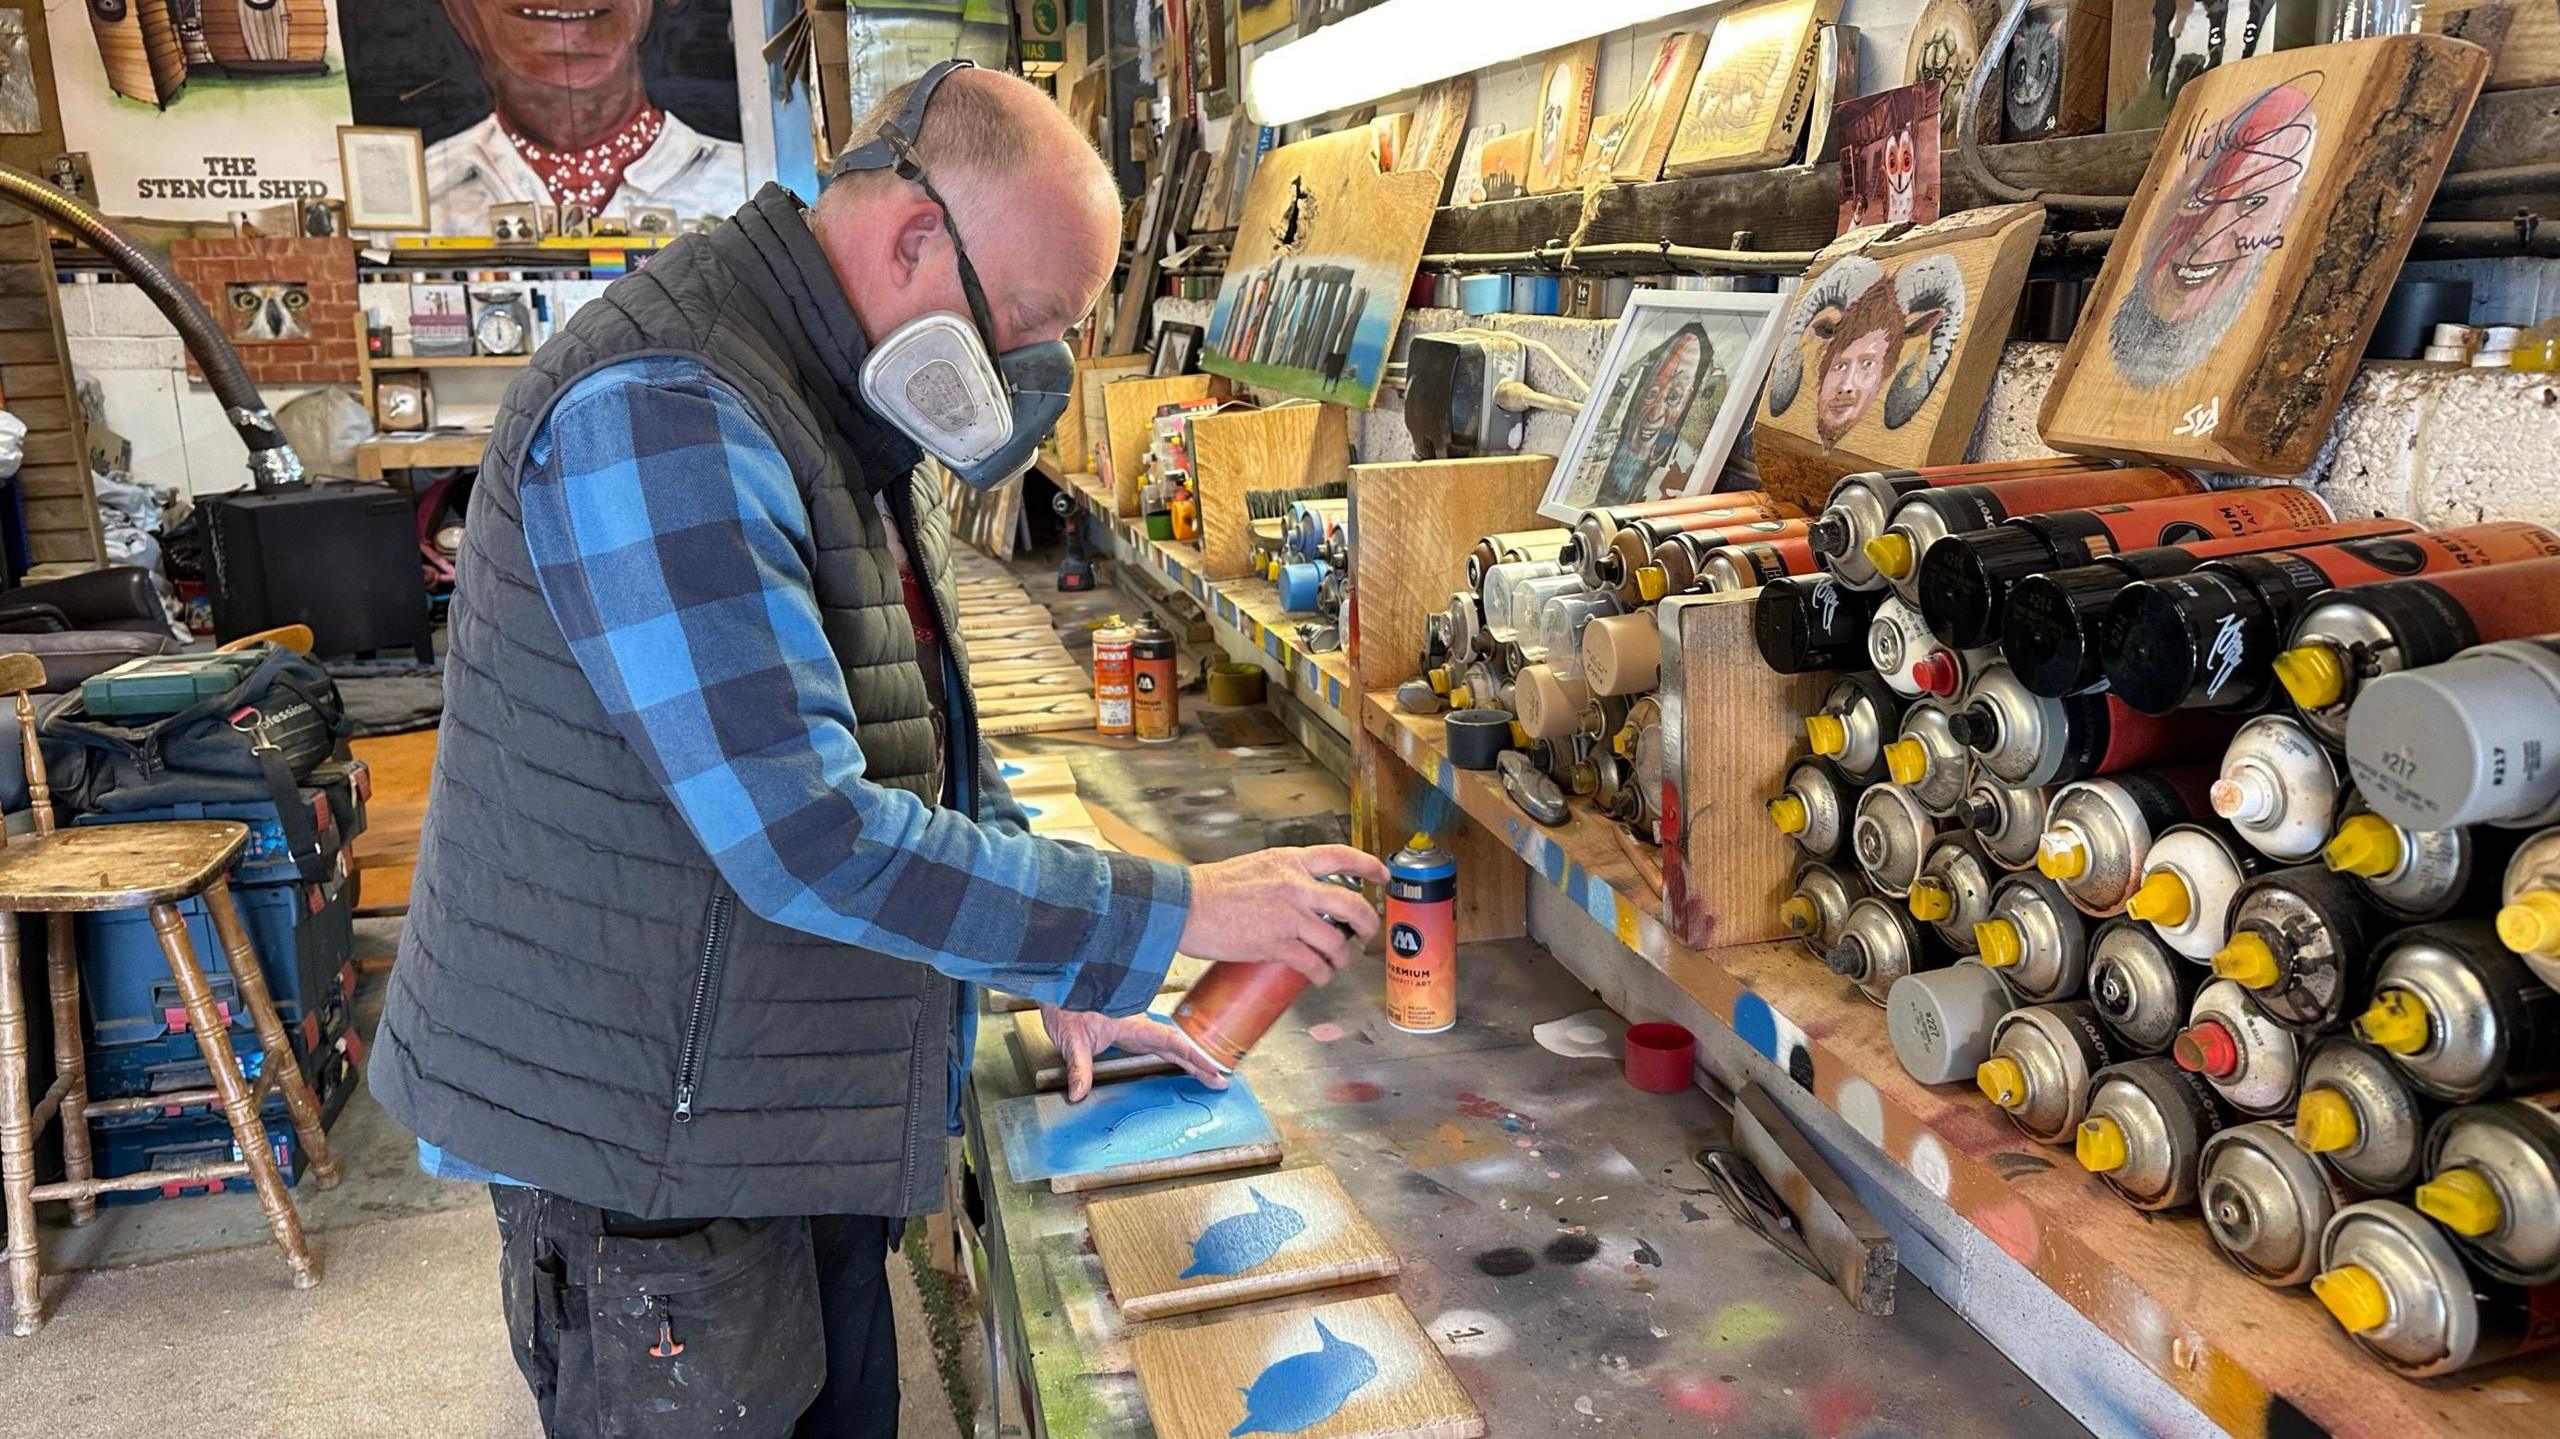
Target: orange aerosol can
1114, 680
1422, 938
1156, 699
1236, 1003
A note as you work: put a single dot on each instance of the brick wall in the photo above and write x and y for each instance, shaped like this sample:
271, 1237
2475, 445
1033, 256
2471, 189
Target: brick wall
326, 267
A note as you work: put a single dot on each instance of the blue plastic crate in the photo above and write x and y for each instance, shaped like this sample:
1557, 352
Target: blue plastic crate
267, 858
172, 1060
181, 1139
304, 937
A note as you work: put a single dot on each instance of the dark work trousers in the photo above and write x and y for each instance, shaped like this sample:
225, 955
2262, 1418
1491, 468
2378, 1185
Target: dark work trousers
707, 1329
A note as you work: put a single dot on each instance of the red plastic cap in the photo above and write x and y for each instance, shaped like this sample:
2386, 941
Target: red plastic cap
1938, 673
1661, 1058
2208, 1049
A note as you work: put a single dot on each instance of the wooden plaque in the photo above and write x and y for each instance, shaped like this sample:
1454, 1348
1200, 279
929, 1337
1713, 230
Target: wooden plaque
1654, 115
1413, 524
1563, 124
1242, 452
1162, 1127
1360, 1369
1029, 774
1207, 1245
1889, 348
2054, 79
1129, 415
1747, 107
1945, 42
2522, 36
2236, 301
1048, 1068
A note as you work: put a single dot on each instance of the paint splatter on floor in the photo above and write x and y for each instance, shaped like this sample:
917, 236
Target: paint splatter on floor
1743, 1323
1572, 1249
1354, 1091
1506, 1262
1325, 1033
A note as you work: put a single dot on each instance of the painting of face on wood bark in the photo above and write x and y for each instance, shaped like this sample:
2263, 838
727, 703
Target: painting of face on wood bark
2255, 259
1888, 348
1747, 106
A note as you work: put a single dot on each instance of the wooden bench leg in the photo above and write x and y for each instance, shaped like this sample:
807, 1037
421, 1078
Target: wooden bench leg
283, 1070
17, 1140
213, 1038
70, 1057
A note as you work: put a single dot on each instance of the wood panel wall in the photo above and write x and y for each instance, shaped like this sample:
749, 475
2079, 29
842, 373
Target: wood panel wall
35, 362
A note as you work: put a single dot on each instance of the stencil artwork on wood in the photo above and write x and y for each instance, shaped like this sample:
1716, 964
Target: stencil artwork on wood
1241, 1242
1304, 1390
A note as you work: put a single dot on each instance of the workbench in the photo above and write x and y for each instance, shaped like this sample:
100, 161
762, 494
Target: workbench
1556, 1239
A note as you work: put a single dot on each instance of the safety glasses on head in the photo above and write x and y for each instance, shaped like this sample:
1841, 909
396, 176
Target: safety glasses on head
941, 378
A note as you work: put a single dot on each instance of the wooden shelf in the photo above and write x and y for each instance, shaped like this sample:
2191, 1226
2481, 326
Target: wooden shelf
2255, 1360
452, 362
1247, 608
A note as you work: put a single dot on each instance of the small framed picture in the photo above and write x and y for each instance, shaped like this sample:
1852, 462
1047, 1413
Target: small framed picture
575, 220
657, 220
323, 218
385, 169
516, 223
1177, 350
1680, 377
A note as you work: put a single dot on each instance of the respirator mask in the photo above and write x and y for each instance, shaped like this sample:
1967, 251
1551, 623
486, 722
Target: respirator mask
940, 379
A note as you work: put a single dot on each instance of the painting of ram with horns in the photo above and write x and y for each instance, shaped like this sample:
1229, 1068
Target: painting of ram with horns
1889, 348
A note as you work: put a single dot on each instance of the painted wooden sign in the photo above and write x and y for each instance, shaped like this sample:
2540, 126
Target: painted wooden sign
1158, 1128
1654, 115
1889, 348
2054, 81
1026, 774
2238, 296
1360, 1369
1564, 117
1945, 42
2159, 46
1319, 272
1755, 85
2522, 35
1048, 1068
1207, 1245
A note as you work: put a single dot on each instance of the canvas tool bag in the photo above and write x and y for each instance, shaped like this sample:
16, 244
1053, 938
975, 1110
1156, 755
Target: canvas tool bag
258, 741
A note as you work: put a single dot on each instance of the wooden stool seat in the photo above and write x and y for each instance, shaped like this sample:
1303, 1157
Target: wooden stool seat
151, 865
118, 866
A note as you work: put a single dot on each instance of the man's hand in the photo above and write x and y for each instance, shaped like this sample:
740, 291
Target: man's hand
1274, 906
1080, 1036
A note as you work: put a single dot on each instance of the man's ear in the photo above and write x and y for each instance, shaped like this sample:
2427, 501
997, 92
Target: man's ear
919, 230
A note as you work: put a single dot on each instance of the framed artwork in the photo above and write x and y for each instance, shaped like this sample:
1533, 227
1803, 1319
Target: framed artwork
1748, 104
1668, 401
1314, 317
386, 177
1655, 112
1504, 166
2160, 45
1889, 156
1261, 19
1177, 350
1889, 349
1468, 186
2265, 238
1945, 41
1564, 116
2054, 82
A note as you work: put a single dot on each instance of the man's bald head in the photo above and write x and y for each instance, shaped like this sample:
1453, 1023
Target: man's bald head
1036, 207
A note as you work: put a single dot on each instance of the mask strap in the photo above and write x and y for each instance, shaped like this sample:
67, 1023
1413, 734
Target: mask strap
894, 150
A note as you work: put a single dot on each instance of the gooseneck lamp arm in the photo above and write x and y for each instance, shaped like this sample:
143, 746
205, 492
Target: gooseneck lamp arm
272, 462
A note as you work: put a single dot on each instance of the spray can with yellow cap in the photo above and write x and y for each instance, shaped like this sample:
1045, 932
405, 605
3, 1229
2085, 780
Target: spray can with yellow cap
1812, 808
2009, 818
1422, 938
1925, 517
2098, 835
1879, 943
2278, 788
2303, 944
2254, 1063
2493, 1178
1860, 505
1926, 759
2034, 938
2142, 989
2360, 1114
1818, 901
1952, 894
2353, 636
2419, 875
2394, 1281
1648, 561
1859, 715
2265, 1201
2461, 1014
2188, 882
2041, 1059
2144, 1132
2529, 916
1890, 834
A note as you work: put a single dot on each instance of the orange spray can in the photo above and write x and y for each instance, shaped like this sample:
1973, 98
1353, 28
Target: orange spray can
1235, 1003
1114, 682
1422, 938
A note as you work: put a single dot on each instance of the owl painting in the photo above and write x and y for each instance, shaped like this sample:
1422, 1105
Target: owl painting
270, 311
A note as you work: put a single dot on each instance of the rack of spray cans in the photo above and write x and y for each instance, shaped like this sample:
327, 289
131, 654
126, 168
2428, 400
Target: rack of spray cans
2211, 836
1549, 660
1307, 556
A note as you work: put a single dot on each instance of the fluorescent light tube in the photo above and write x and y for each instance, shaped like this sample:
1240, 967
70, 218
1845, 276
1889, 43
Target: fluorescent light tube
1404, 44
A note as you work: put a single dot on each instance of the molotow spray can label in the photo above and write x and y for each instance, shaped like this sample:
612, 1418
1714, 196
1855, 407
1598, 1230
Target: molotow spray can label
1422, 939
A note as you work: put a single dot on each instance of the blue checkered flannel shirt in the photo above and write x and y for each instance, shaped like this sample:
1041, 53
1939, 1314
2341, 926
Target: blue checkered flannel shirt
672, 546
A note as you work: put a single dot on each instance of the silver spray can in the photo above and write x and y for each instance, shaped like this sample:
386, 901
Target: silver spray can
2360, 1114
2266, 1202
2529, 908
2461, 1014
1820, 902
2034, 938
1880, 943
1812, 808
2009, 819
2188, 884
2041, 1060
2493, 1178
2395, 1283
1926, 760
2098, 836
2145, 1132
1858, 716
1890, 834
1953, 891
2142, 988
2278, 788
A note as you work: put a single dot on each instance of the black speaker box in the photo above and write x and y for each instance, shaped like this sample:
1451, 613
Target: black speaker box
338, 556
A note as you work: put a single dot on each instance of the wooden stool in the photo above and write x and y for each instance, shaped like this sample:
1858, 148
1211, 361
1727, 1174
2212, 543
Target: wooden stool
131, 866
